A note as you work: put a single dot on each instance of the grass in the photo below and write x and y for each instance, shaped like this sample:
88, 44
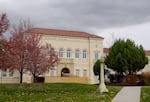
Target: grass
145, 94
54, 92
146, 82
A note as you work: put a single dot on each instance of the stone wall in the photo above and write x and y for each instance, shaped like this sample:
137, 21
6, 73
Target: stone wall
83, 80
9, 80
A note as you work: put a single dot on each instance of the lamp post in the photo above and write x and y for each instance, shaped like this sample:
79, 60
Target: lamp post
102, 87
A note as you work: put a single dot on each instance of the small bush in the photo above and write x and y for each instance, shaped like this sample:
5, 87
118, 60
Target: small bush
132, 79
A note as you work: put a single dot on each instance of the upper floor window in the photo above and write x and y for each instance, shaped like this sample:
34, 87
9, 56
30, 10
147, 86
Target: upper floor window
96, 55
61, 52
68, 53
84, 53
77, 54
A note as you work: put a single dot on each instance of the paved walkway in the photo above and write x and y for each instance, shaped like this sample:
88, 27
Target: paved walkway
128, 94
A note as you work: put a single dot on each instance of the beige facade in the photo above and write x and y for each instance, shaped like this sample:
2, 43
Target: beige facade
77, 52
78, 55
147, 67
9, 77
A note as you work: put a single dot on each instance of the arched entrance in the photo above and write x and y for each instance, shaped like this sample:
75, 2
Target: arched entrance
65, 72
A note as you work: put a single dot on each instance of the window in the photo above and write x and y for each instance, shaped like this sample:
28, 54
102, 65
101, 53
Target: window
43, 50
84, 54
77, 72
61, 52
84, 72
68, 53
4, 74
77, 54
96, 56
11, 73
52, 72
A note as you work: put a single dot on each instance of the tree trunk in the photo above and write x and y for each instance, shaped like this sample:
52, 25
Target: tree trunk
99, 77
34, 78
21, 76
129, 71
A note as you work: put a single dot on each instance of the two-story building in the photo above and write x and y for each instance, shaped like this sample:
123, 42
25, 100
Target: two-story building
77, 52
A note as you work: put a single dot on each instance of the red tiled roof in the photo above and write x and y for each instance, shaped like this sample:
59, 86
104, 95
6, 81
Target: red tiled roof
147, 52
63, 33
105, 50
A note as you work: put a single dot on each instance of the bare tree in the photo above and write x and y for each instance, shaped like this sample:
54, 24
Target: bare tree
18, 47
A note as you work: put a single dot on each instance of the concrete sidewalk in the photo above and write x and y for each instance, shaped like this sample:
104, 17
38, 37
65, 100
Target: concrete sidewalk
128, 94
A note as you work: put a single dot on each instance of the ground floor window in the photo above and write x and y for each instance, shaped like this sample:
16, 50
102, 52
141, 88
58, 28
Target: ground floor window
4, 73
77, 72
11, 73
84, 72
52, 72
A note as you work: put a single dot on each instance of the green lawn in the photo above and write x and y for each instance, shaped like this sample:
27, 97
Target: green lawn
56, 92
145, 94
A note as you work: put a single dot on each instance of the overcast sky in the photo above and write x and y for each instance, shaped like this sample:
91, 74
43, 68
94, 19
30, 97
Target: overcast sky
107, 18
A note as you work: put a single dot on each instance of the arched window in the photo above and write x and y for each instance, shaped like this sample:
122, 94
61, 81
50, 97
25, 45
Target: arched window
77, 54
84, 53
68, 53
61, 52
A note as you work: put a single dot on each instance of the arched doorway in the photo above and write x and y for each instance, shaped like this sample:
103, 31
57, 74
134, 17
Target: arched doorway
65, 72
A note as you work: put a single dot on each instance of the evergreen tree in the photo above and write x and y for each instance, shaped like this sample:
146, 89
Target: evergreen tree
125, 56
96, 68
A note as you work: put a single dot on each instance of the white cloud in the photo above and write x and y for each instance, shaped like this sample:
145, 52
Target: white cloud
138, 33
